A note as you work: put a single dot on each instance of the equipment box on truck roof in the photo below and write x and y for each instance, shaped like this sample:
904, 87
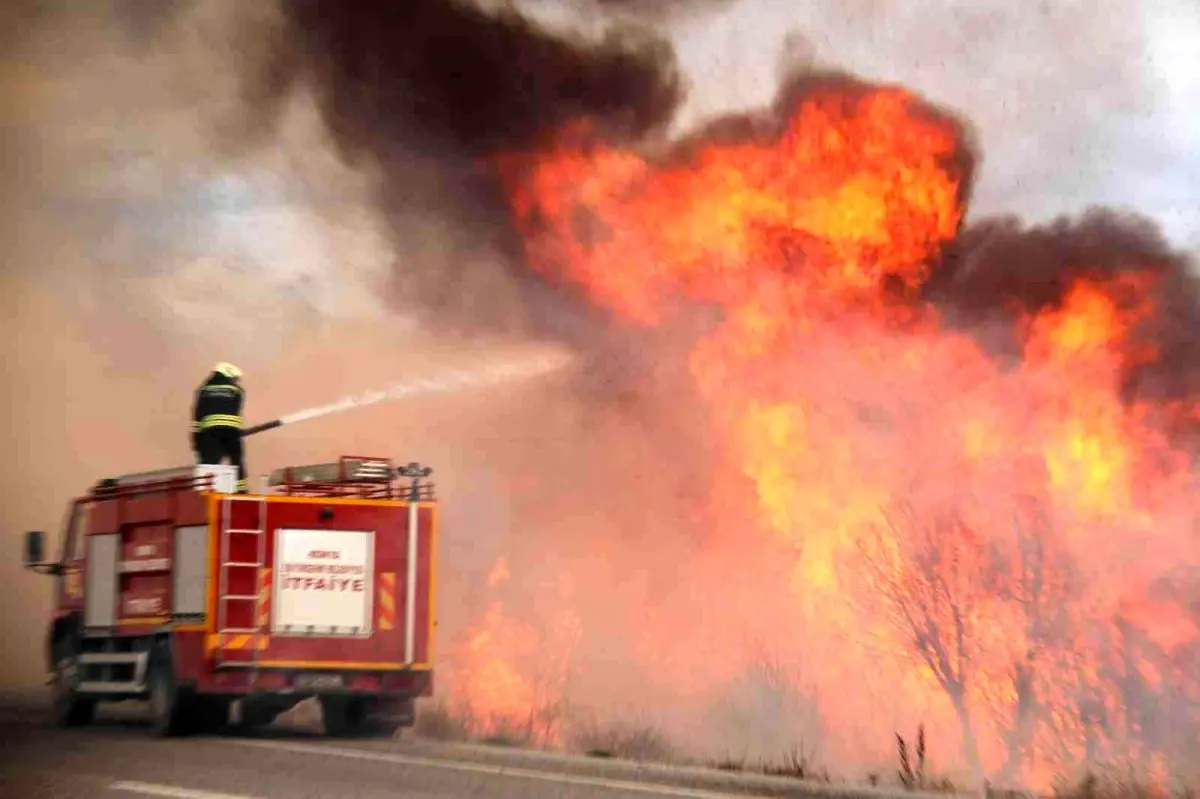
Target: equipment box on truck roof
171, 588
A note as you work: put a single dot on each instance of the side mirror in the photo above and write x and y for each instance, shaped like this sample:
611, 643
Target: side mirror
35, 548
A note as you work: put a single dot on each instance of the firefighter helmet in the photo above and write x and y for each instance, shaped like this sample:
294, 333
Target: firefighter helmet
229, 370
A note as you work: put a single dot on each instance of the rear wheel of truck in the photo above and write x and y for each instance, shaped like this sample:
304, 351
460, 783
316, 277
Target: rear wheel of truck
346, 717
343, 716
252, 715
210, 714
169, 706
69, 707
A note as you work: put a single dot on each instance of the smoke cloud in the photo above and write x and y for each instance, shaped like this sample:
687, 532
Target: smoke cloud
1002, 269
662, 9
415, 94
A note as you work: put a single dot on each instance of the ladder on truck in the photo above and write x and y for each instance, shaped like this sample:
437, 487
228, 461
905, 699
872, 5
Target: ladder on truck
236, 644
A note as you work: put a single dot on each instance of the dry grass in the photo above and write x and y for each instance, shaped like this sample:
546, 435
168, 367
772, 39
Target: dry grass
643, 742
912, 767
443, 722
727, 763
912, 770
439, 722
798, 764
506, 731
1119, 783
630, 741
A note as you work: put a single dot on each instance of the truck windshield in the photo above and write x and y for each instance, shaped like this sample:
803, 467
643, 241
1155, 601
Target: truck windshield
73, 540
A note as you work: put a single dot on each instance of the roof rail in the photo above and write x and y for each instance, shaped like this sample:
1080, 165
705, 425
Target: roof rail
354, 476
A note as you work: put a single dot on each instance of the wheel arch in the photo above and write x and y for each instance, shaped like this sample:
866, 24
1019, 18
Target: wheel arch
64, 629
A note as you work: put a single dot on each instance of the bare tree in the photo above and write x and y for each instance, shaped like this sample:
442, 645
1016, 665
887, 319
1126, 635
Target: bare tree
930, 571
1035, 580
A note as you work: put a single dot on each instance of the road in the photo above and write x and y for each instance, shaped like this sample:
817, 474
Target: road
118, 757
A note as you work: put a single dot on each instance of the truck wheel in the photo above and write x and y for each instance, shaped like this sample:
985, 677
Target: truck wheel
344, 716
210, 714
70, 709
168, 704
389, 715
382, 728
347, 717
256, 714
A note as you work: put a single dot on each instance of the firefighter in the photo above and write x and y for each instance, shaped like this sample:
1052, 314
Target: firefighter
217, 420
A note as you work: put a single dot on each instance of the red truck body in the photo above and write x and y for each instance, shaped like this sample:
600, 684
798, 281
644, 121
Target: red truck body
170, 588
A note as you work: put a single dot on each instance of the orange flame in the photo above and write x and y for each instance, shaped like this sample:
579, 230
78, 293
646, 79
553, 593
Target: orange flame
511, 675
986, 523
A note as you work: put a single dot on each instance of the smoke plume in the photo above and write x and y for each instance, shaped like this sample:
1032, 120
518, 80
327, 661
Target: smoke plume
1003, 268
662, 9
416, 93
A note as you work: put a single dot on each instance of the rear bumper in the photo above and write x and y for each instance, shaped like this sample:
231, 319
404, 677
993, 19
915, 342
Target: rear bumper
305, 681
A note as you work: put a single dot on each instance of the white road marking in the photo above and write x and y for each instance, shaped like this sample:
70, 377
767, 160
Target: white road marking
174, 791
495, 771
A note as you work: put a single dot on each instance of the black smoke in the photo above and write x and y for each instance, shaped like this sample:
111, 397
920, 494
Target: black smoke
424, 91
1001, 269
663, 9
421, 93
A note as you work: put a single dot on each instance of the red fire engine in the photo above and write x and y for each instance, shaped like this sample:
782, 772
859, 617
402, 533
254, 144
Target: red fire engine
173, 589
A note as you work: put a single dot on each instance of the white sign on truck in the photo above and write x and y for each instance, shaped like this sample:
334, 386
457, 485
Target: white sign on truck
323, 582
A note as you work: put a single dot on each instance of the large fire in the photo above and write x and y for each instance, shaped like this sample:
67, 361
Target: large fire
995, 544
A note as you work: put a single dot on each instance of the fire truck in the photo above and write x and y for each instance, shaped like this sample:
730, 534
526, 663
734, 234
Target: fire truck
220, 608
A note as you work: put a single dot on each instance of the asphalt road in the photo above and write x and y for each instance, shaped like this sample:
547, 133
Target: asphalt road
118, 756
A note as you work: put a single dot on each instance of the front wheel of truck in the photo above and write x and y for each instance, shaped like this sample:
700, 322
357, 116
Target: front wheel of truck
170, 705
70, 709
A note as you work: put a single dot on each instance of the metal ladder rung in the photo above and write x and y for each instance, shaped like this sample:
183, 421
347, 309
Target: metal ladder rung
110, 658
105, 687
258, 565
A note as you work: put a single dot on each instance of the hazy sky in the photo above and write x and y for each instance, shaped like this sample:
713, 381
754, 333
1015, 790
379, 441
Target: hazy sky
1076, 101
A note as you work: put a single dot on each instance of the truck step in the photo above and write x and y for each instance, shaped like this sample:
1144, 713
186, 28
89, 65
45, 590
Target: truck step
102, 687
139, 660
110, 658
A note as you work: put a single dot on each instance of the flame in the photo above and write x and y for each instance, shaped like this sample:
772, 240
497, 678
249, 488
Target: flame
510, 675
498, 691
499, 572
969, 536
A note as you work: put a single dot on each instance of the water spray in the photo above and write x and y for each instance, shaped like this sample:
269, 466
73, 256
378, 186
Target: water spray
446, 382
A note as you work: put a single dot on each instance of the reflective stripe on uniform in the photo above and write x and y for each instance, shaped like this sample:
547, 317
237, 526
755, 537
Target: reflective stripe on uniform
219, 420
